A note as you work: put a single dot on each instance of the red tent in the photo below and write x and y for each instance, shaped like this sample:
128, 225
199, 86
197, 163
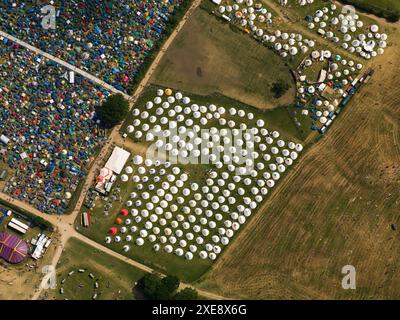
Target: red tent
124, 212
113, 231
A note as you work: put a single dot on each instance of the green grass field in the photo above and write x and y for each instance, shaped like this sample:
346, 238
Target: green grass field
385, 4
210, 56
116, 279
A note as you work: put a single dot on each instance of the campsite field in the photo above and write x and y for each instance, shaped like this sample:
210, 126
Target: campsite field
276, 119
116, 279
210, 57
100, 225
161, 261
336, 209
292, 19
297, 13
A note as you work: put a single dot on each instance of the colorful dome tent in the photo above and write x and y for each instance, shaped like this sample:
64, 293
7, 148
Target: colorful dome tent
12, 248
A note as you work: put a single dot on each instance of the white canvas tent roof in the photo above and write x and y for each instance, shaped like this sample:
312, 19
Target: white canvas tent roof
4, 139
118, 159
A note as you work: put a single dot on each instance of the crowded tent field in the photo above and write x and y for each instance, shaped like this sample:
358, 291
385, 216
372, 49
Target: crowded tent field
217, 165
85, 273
48, 129
109, 39
209, 57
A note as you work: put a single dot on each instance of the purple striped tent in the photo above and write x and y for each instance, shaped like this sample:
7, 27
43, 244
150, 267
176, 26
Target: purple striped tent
12, 248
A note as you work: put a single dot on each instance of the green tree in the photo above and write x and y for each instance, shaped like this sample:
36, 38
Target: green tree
162, 293
171, 283
187, 294
279, 88
150, 284
156, 288
113, 111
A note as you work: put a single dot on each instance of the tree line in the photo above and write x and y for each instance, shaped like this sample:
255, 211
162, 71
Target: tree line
390, 15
